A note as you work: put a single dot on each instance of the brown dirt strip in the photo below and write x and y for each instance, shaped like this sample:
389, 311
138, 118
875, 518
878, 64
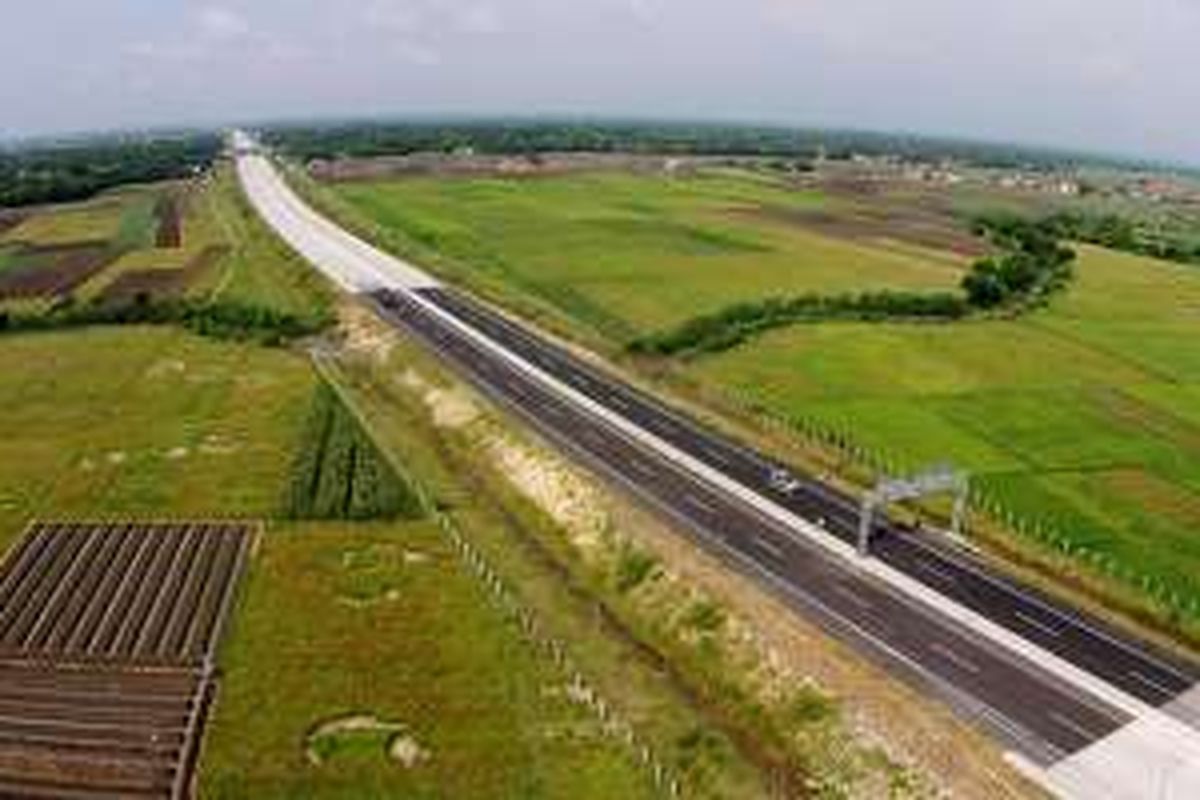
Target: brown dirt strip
869, 223
169, 213
52, 744
11, 219
68, 267
148, 592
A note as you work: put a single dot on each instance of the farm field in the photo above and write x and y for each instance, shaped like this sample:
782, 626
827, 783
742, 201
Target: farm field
1080, 420
104, 631
96, 220
192, 240
627, 254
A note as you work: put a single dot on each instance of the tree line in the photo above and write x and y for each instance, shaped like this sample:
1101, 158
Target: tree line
78, 170
733, 325
1127, 235
217, 319
515, 137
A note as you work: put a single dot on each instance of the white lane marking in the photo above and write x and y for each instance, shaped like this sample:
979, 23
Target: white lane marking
1060, 614
769, 546
1045, 628
853, 596
1071, 725
804, 532
954, 658
696, 502
934, 569
1148, 681
716, 456
642, 469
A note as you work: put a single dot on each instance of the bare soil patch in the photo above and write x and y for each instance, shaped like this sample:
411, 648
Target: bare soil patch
54, 271
872, 223
394, 740
107, 633
10, 220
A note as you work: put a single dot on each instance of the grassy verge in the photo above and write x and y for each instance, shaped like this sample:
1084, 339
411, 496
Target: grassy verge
547, 531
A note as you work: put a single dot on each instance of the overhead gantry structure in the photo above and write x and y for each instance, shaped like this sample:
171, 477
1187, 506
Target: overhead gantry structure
938, 479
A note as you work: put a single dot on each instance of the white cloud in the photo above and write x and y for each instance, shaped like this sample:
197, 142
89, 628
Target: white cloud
479, 19
179, 52
218, 22
392, 17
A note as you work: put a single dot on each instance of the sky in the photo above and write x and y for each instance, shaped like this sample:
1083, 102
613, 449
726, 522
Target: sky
1116, 76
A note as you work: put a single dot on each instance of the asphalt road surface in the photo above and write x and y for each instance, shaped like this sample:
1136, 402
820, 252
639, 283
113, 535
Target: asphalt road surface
1151, 677
1035, 713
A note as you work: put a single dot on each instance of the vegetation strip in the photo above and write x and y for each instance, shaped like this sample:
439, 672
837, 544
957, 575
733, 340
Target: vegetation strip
1030, 266
62, 173
339, 472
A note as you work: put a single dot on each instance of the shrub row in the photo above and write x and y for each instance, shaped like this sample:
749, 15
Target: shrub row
1120, 233
1028, 266
735, 324
222, 319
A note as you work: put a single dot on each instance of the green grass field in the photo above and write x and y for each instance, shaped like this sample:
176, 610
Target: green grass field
380, 620
95, 220
1083, 419
148, 421
630, 254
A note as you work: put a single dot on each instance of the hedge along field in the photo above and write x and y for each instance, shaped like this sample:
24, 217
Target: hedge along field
630, 254
339, 473
1082, 421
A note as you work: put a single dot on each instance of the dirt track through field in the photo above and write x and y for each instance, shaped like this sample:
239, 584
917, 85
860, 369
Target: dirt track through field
107, 637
